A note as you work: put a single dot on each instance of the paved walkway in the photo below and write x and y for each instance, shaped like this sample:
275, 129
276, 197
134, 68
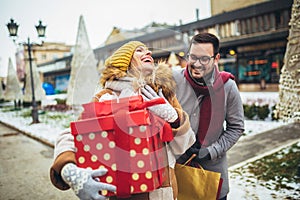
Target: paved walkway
34, 153
257, 146
24, 168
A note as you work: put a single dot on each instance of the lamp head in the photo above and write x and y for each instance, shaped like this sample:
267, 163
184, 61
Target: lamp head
12, 27
41, 29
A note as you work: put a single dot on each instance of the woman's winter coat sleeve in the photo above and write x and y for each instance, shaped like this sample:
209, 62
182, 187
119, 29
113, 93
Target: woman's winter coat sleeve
64, 153
184, 136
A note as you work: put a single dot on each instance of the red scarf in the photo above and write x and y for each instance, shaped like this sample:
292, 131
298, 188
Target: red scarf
211, 106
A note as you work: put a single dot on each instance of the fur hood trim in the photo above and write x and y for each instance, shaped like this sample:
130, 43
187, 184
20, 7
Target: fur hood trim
161, 78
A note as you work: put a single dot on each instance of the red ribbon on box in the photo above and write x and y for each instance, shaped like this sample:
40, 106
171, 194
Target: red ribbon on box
132, 103
119, 115
108, 107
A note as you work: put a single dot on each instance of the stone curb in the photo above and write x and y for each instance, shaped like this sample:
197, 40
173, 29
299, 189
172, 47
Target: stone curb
44, 141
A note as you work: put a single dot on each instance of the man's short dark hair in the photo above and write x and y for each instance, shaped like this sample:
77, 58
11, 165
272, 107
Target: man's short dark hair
206, 38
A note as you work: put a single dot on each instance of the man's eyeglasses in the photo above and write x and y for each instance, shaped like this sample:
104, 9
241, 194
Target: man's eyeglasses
204, 60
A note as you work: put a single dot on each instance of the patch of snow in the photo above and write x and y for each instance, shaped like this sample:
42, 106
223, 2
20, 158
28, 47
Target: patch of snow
243, 185
260, 98
46, 131
253, 127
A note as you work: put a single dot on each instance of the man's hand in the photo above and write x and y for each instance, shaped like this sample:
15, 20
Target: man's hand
202, 154
83, 182
165, 111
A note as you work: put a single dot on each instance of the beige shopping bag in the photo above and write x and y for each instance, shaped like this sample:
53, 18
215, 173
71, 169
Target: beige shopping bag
196, 183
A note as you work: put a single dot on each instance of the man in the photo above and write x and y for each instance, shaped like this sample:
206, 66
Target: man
210, 98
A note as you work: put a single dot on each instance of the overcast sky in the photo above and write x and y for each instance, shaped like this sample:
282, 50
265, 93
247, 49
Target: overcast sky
100, 16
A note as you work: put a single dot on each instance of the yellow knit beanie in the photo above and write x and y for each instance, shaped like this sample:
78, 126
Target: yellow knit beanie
122, 56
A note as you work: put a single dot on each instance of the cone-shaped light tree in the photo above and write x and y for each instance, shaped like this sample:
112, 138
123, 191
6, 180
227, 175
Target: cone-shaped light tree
288, 107
1, 89
13, 90
84, 76
38, 89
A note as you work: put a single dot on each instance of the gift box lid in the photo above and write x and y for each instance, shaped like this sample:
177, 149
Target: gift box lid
108, 107
133, 118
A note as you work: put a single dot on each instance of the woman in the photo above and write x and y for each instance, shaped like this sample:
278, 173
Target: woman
129, 71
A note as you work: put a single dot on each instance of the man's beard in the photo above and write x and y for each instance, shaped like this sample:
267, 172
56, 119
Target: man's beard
201, 81
201, 67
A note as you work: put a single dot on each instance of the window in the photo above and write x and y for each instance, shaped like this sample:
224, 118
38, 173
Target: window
217, 27
272, 21
248, 26
228, 29
266, 22
285, 17
237, 27
43, 57
254, 25
265, 65
54, 56
243, 27
260, 25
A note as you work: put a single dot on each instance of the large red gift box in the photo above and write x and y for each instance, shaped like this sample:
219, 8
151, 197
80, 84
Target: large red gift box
125, 138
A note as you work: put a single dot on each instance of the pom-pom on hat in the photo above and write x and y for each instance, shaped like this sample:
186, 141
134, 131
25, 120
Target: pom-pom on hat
122, 56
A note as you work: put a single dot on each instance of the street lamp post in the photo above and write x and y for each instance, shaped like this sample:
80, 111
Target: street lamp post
13, 32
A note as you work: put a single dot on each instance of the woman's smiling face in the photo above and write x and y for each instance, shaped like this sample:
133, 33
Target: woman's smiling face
142, 60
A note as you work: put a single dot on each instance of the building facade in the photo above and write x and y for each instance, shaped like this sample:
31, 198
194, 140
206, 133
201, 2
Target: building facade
219, 7
252, 43
44, 53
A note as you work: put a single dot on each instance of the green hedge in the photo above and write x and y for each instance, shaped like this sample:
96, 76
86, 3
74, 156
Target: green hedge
256, 112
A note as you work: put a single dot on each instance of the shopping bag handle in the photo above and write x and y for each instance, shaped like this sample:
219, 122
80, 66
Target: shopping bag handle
190, 159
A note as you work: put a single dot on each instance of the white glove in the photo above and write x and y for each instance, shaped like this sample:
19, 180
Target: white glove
83, 182
165, 111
